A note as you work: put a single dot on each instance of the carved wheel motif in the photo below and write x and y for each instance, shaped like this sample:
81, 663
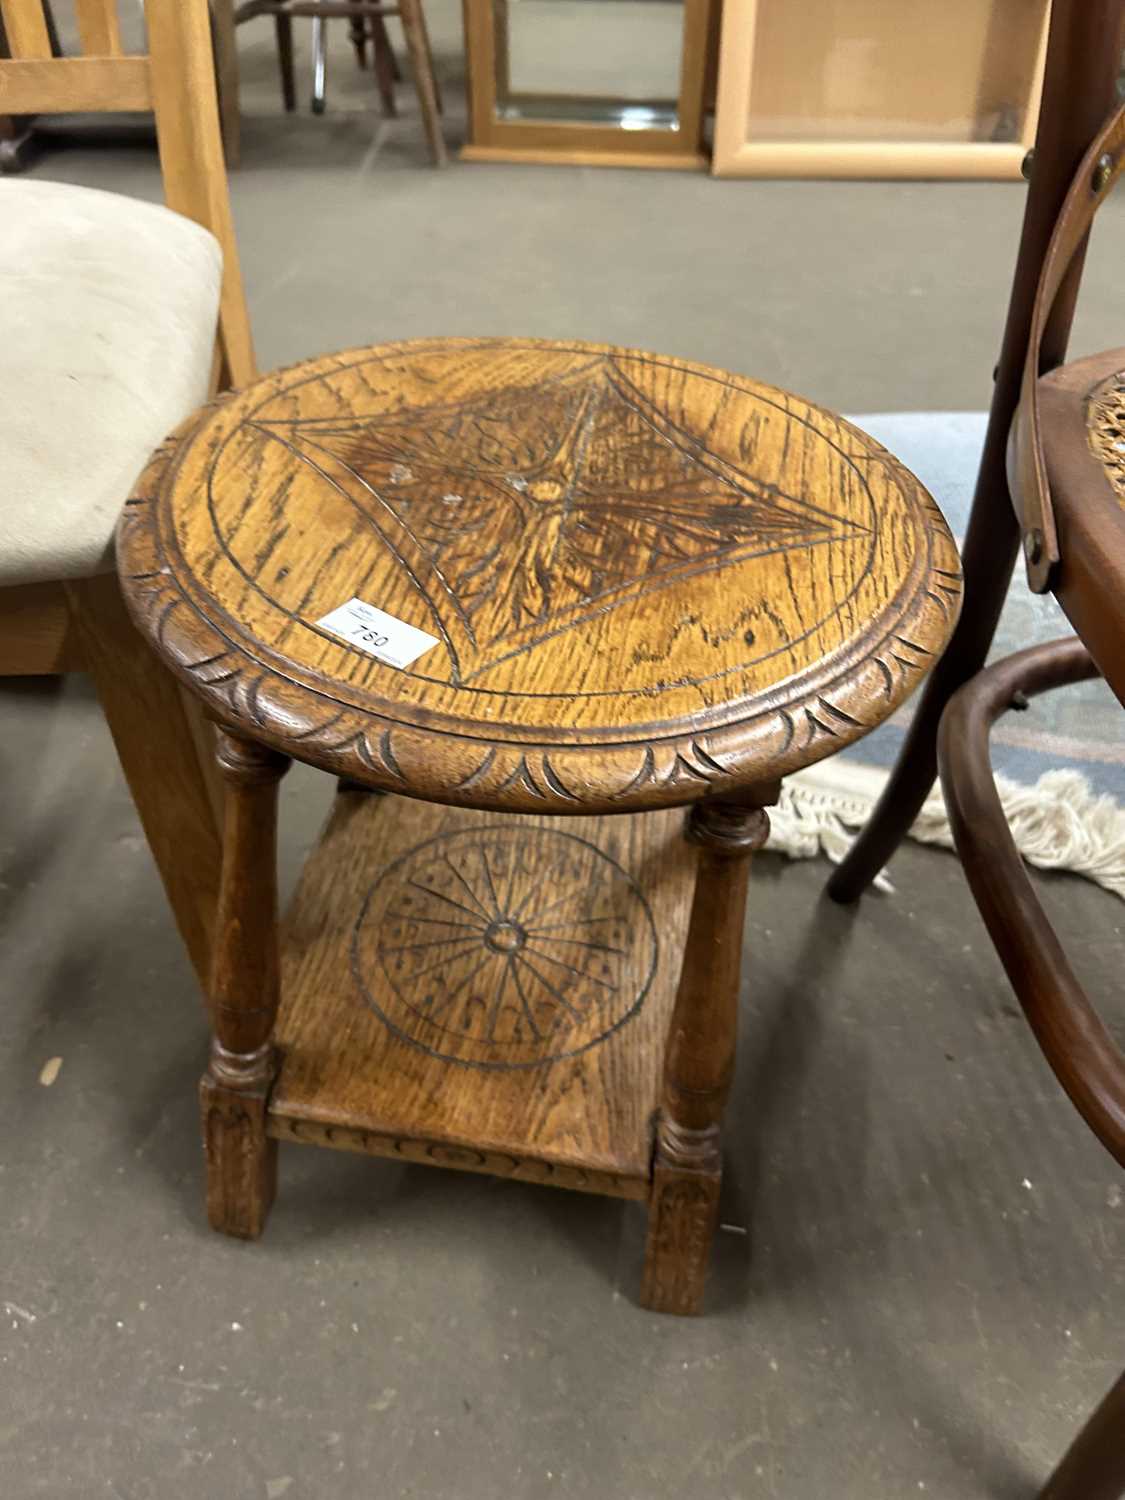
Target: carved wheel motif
505, 947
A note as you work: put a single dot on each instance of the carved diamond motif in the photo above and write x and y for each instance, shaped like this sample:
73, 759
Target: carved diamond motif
531, 507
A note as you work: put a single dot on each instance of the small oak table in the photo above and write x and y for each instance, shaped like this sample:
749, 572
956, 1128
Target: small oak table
647, 585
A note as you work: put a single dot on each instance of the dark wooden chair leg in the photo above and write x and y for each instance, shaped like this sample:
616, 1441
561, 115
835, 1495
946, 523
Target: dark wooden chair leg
1094, 1466
384, 67
382, 38
19, 144
430, 54
357, 34
1078, 92
284, 28
414, 28
245, 990
687, 1165
988, 557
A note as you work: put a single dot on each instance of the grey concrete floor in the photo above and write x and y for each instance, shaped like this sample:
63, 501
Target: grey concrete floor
929, 1296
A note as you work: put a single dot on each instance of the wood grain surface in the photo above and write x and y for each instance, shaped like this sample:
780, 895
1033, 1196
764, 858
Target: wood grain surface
36, 632
65, 85
651, 582
99, 27
244, 993
1080, 421
699, 1063
490, 995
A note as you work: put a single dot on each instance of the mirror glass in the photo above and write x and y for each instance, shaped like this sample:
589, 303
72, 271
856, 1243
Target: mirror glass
602, 61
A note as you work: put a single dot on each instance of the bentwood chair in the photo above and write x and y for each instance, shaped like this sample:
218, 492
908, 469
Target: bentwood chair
1079, 89
1066, 472
118, 319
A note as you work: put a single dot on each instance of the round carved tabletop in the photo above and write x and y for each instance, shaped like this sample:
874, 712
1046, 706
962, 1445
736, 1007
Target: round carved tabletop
646, 581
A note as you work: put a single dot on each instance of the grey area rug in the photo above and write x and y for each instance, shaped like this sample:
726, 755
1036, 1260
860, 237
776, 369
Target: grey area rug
1060, 766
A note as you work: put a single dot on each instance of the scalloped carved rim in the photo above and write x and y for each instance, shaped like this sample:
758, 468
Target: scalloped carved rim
834, 702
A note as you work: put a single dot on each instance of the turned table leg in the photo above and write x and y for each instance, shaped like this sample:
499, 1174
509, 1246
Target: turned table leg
244, 994
699, 1063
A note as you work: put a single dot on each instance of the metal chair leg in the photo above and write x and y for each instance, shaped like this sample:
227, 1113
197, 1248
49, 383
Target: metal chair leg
320, 63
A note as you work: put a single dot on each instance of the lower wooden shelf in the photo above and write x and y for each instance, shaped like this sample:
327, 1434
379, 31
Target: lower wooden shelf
490, 994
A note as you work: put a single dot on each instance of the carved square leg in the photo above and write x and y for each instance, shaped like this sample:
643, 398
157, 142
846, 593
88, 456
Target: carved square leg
241, 1159
683, 1214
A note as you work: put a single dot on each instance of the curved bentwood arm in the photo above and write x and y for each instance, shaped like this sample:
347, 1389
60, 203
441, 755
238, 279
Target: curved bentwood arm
1085, 1059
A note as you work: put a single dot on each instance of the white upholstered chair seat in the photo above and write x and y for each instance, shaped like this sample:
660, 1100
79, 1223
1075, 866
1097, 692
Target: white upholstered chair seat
108, 310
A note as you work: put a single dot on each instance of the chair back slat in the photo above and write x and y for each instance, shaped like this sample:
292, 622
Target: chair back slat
25, 27
191, 154
68, 85
99, 27
32, 82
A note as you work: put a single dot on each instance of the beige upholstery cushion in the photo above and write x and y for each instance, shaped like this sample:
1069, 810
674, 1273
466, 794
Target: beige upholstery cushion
108, 310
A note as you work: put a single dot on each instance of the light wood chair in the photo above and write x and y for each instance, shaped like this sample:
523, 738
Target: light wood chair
86, 276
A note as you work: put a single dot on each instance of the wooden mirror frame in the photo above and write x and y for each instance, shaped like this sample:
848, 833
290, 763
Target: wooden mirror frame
582, 143
738, 154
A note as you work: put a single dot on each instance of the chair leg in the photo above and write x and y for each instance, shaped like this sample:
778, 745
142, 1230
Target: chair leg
357, 35
158, 746
414, 27
226, 72
244, 993
283, 25
1094, 1466
384, 68
989, 555
687, 1167
430, 53
320, 63
383, 37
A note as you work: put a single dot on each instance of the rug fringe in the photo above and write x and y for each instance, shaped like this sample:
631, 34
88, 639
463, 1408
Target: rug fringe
1060, 823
